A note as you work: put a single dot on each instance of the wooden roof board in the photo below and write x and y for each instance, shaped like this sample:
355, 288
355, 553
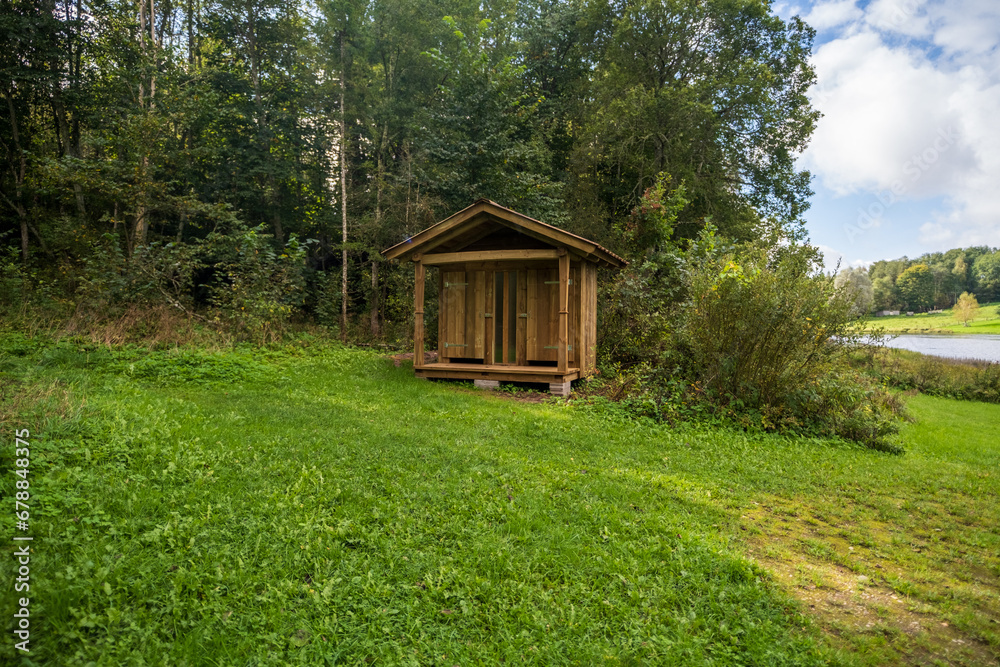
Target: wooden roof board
459, 223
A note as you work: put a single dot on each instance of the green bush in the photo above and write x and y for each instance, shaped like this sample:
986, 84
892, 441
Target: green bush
112, 280
753, 334
24, 291
758, 329
762, 333
256, 287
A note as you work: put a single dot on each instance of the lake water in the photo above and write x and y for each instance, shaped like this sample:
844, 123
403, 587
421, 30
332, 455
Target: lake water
956, 346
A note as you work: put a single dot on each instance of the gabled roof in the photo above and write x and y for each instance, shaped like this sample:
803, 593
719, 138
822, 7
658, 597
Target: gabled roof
485, 210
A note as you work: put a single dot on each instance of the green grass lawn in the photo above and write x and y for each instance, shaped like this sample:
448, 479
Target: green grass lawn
321, 506
986, 322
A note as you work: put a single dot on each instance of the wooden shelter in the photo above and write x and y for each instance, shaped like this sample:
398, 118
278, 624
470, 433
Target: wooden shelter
517, 298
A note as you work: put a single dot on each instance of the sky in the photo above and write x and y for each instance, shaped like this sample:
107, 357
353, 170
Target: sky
906, 158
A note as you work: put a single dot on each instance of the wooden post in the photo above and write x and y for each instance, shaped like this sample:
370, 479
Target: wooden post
521, 329
563, 311
505, 357
488, 319
418, 314
443, 314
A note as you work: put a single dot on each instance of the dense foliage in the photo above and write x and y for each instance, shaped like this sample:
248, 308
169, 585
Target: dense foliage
752, 331
133, 134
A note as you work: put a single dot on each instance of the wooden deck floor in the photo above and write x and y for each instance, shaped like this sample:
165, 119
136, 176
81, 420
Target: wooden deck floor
496, 372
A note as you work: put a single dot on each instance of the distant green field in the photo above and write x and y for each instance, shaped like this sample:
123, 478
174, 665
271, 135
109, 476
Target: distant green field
316, 505
987, 322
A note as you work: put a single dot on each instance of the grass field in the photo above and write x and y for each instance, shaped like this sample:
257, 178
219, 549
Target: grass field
986, 322
317, 505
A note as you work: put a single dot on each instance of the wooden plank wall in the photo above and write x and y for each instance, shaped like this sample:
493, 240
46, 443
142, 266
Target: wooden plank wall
574, 317
462, 315
475, 311
467, 297
452, 315
489, 305
418, 314
543, 314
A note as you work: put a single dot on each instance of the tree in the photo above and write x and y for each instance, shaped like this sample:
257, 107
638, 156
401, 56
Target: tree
481, 137
916, 287
857, 288
986, 270
966, 309
884, 293
713, 94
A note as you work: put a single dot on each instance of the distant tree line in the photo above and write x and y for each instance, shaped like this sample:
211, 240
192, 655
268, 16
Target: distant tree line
933, 280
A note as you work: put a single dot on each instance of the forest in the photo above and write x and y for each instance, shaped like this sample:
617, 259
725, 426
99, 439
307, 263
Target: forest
935, 280
244, 161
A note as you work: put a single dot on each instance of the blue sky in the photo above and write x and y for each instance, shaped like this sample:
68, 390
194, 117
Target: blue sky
906, 159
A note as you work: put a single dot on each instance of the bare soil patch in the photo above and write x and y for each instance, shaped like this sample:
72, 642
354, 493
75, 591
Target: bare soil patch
847, 587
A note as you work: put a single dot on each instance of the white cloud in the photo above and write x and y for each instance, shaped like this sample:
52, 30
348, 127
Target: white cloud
906, 17
890, 119
833, 13
910, 93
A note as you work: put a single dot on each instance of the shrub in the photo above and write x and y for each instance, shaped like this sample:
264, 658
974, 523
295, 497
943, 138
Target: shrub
256, 287
763, 334
757, 328
753, 334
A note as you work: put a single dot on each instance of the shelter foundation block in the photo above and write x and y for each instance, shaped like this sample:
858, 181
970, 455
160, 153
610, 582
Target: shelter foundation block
489, 385
560, 388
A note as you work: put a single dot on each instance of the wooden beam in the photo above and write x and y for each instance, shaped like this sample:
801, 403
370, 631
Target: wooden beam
489, 317
488, 256
495, 372
521, 328
507, 324
442, 315
449, 224
418, 314
563, 360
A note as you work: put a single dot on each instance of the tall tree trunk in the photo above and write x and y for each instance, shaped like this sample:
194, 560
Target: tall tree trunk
409, 187
343, 190
152, 44
279, 231
24, 237
374, 314
190, 34
142, 209
142, 47
379, 188
22, 167
65, 133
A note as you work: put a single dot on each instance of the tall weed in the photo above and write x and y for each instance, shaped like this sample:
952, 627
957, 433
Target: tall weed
950, 378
